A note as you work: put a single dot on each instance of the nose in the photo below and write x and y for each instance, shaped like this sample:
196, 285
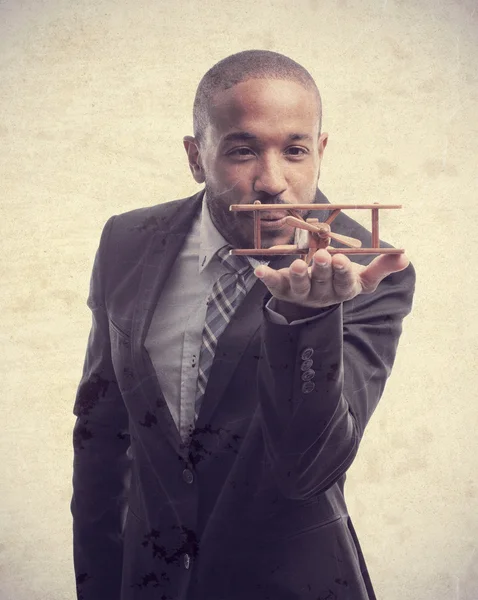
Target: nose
270, 178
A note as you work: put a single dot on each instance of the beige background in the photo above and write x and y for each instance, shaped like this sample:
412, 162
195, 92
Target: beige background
95, 96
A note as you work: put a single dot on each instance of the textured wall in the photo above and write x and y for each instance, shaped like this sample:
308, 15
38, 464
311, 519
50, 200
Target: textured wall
95, 96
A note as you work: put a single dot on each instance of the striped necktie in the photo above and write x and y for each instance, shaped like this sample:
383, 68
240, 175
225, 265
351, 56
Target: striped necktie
226, 295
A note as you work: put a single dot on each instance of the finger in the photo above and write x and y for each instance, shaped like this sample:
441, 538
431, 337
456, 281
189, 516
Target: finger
321, 272
345, 277
275, 281
299, 279
381, 267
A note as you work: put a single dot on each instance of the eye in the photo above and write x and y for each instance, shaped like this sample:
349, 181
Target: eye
240, 152
296, 151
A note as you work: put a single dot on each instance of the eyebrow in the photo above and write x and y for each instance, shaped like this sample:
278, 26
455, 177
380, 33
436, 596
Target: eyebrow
239, 136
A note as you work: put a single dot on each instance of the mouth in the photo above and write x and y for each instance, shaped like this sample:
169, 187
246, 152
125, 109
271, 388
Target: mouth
276, 217
273, 223
270, 221
271, 216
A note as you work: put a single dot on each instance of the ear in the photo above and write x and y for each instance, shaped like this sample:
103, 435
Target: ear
191, 145
323, 139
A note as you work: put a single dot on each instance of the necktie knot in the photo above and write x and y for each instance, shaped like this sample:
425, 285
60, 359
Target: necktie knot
240, 264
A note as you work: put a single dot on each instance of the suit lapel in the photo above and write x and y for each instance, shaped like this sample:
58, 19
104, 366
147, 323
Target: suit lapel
165, 245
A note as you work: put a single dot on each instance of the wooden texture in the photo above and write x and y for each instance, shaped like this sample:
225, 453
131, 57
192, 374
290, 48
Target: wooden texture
272, 252
269, 207
375, 231
257, 227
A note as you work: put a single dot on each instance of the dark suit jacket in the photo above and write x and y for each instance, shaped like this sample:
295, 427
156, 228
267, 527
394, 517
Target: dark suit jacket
254, 509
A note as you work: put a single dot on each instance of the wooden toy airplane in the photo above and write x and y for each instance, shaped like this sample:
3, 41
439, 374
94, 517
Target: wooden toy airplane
317, 234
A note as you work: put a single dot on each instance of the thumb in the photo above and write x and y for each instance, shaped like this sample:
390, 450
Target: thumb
274, 280
381, 267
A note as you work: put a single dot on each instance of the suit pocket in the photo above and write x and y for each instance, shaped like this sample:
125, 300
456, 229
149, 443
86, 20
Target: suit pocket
312, 527
117, 329
303, 521
134, 515
121, 357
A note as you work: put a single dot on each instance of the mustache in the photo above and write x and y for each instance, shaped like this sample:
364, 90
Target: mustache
271, 200
279, 201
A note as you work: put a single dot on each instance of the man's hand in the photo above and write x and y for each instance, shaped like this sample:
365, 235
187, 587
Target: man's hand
330, 280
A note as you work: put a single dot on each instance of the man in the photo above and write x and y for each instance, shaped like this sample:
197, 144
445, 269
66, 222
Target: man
221, 406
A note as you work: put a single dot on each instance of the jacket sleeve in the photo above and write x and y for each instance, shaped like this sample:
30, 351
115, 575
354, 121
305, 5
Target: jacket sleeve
313, 426
100, 443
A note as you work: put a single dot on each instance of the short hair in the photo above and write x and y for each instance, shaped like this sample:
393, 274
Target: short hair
249, 64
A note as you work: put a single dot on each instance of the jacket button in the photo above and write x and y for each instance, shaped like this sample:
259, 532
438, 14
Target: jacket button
307, 353
306, 364
308, 386
308, 375
188, 476
187, 561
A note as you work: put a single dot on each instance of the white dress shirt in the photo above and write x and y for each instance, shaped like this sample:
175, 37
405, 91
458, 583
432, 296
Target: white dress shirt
174, 338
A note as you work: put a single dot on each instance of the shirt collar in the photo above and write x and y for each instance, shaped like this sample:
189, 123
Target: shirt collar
210, 240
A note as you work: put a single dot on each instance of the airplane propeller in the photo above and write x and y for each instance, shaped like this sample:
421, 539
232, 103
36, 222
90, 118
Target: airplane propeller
323, 230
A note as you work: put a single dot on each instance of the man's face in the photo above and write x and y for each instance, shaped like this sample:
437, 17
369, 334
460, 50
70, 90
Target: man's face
262, 143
